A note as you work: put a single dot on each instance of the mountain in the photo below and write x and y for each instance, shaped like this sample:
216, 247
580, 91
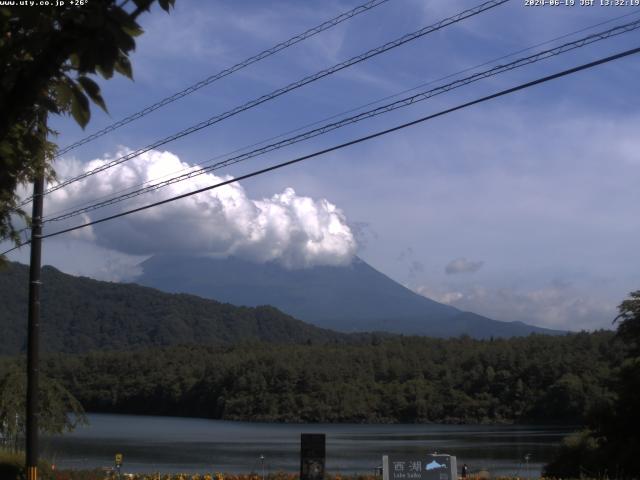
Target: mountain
352, 298
80, 314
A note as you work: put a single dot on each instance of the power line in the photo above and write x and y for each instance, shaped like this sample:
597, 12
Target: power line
228, 71
419, 97
255, 173
346, 112
306, 80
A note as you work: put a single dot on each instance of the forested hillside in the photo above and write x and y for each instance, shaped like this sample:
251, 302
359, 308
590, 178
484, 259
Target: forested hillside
409, 379
80, 314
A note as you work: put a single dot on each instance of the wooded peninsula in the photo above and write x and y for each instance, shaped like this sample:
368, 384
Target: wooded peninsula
402, 379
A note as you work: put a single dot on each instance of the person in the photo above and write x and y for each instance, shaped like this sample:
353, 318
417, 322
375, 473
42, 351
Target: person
465, 470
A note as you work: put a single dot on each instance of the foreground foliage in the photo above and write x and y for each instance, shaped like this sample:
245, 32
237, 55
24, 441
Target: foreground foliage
59, 411
405, 379
610, 445
12, 467
48, 54
100, 475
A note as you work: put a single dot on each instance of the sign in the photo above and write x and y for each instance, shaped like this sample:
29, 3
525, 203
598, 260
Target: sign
312, 456
118, 459
419, 467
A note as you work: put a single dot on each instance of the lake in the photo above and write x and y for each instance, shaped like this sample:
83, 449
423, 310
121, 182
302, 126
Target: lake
171, 444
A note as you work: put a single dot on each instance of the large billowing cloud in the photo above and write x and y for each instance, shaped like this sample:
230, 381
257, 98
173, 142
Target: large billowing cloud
294, 230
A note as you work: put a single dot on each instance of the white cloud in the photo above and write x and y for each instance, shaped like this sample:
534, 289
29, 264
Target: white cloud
439, 296
82, 258
462, 265
557, 305
295, 230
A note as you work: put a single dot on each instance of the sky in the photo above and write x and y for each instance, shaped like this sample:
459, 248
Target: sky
519, 208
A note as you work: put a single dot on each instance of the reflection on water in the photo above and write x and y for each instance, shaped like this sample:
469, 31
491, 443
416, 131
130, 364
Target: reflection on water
170, 444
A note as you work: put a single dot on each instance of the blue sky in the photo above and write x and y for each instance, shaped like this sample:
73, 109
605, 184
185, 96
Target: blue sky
522, 208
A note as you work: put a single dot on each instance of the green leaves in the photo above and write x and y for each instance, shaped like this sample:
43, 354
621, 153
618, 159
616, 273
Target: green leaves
123, 66
92, 89
132, 29
166, 4
70, 97
73, 97
47, 58
63, 92
80, 107
74, 59
611, 444
59, 410
629, 328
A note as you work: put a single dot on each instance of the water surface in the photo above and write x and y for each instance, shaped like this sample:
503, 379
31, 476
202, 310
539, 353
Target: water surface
172, 444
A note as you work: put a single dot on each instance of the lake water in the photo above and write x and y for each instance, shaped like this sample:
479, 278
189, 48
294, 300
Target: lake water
171, 444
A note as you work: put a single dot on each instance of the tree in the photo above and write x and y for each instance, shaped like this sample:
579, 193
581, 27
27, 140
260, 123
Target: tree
629, 327
610, 444
620, 430
47, 54
59, 410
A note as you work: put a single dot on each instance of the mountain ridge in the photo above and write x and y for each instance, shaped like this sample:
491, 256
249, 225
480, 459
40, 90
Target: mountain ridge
353, 298
81, 314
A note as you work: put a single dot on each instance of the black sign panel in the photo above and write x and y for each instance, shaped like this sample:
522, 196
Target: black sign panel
312, 456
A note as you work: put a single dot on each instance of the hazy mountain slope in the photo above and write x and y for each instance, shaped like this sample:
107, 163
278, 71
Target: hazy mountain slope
80, 314
352, 298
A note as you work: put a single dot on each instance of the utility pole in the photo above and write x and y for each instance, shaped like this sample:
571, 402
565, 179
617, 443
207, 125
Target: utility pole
33, 326
34, 331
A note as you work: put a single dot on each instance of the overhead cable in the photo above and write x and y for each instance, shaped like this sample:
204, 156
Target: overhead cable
292, 86
255, 173
419, 97
228, 71
341, 114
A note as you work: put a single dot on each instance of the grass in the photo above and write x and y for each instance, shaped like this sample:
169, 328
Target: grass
11, 464
12, 468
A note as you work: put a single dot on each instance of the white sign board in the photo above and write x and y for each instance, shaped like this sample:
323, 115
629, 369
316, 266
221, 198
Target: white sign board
419, 467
